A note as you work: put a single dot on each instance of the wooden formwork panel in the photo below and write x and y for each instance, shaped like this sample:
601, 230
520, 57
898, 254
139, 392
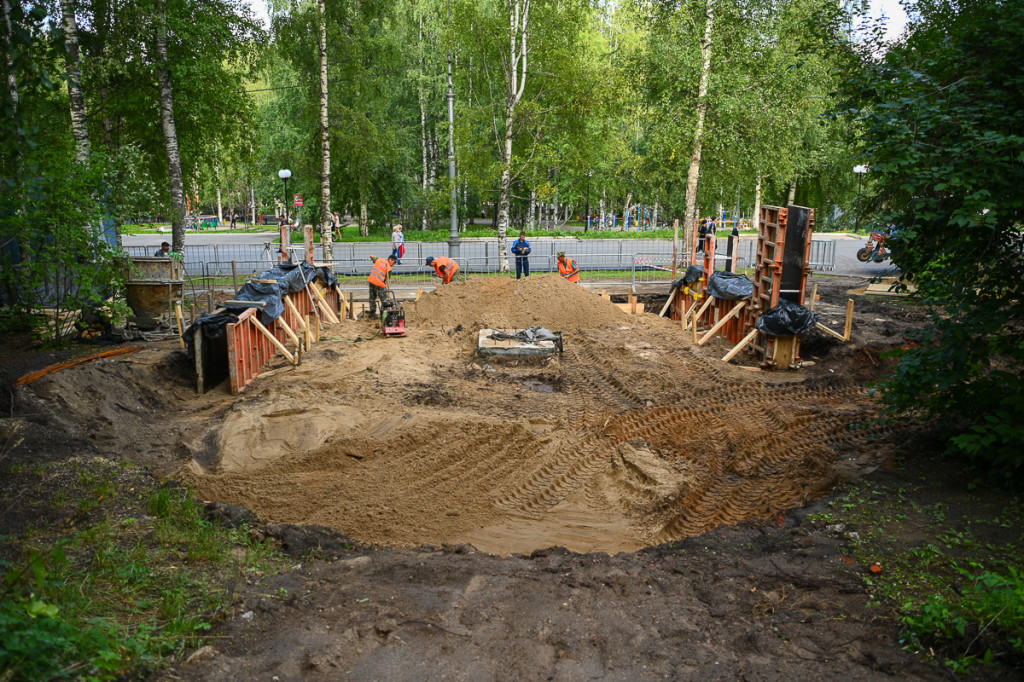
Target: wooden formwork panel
249, 349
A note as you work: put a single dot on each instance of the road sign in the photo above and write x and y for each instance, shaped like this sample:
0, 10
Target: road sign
298, 200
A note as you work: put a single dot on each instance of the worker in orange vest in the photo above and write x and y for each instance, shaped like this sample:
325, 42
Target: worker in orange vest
567, 268
378, 280
445, 267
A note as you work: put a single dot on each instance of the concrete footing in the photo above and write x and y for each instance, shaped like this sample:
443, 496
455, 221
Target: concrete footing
487, 346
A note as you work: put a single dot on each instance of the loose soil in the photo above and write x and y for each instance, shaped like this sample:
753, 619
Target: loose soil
675, 486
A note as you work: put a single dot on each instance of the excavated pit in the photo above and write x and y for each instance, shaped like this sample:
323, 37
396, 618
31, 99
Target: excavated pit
631, 437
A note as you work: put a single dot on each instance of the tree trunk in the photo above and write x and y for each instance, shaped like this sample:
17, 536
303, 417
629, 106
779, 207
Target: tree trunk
220, 205
79, 126
515, 84
12, 79
757, 205
326, 233
601, 209
654, 219
364, 225
170, 134
698, 134
425, 222
625, 211
792, 193
531, 221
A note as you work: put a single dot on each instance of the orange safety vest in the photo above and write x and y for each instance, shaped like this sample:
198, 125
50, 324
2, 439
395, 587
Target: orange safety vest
569, 270
380, 272
446, 268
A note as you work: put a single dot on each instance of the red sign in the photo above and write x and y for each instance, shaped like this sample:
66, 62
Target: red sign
298, 200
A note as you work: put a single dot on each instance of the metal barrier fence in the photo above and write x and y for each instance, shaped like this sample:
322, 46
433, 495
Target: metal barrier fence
823, 254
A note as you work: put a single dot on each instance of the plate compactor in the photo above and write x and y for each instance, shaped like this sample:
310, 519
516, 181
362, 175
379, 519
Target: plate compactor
392, 315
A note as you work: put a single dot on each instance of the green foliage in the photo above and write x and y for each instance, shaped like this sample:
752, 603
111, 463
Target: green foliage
985, 622
116, 597
943, 139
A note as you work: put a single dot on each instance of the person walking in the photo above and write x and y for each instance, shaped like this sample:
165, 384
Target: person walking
397, 243
444, 266
336, 226
378, 281
567, 268
521, 248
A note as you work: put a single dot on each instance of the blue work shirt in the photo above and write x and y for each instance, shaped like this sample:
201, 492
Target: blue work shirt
519, 246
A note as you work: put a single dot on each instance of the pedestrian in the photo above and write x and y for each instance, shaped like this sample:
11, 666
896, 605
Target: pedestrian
521, 248
336, 226
445, 268
702, 234
234, 219
378, 280
397, 243
567, 268
164, 251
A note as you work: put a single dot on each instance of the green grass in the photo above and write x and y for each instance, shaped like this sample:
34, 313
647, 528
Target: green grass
123, 591
958, 592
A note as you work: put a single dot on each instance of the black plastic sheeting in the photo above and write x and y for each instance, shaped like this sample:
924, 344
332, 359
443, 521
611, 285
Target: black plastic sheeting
692, 274
786, 319
730, 286
289, 279
212, 326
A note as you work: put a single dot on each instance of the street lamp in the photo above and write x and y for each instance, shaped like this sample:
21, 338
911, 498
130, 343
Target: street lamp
284, 174
590, 174
860, 171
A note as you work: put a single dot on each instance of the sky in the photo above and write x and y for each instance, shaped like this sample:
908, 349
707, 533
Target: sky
896, 18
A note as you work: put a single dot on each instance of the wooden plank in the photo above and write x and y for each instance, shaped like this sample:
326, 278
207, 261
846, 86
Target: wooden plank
740, 346
693, 324
181, 322
704, 308
632, 304
200, 379
288, 330
721, 323
264, 281
252, 304
785, 351
814, 296
273, 339
848, 331
328, 313
825, 329
295, 312
671, 295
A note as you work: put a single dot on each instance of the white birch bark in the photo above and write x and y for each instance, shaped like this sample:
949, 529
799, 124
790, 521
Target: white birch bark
364, 225
515, 85
757, 204
698, 134
170, 134
601, 209
625, 211
79, 127
12, 79
425, 224
531, 221
326, 233
792, 193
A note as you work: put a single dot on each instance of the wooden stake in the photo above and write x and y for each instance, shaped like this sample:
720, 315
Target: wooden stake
181, 323
209, 301
632, 304
693, 324
419, 292
721, 323
671, 295
700, 313
234, 275
309, 331
273, 339
740, 346
814, 296
848, 332
785, 351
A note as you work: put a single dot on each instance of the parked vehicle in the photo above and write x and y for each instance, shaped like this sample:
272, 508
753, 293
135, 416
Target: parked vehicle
874, 249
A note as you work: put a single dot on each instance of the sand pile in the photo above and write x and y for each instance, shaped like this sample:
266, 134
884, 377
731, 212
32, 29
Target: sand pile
503, 303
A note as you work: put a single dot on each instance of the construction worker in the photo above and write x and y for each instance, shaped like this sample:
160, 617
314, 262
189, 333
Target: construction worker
567, 268
445, 268
521, 248
378, 280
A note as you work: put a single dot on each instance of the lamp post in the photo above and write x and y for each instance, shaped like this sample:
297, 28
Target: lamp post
284, 174
590, 174
860, 171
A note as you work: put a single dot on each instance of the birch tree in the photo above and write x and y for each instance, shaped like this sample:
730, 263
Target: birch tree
170, 132
79, 126
698, 134
514, 65
326, 233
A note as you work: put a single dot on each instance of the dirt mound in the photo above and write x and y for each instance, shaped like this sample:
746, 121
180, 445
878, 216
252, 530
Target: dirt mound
504, 303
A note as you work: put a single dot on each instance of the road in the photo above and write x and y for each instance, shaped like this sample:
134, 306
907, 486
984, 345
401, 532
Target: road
216, 251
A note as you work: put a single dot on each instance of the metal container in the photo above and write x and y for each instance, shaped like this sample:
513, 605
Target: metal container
153, 299
156, 270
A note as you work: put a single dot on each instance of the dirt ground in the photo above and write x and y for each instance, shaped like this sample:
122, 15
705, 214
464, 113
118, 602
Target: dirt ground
631, 509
